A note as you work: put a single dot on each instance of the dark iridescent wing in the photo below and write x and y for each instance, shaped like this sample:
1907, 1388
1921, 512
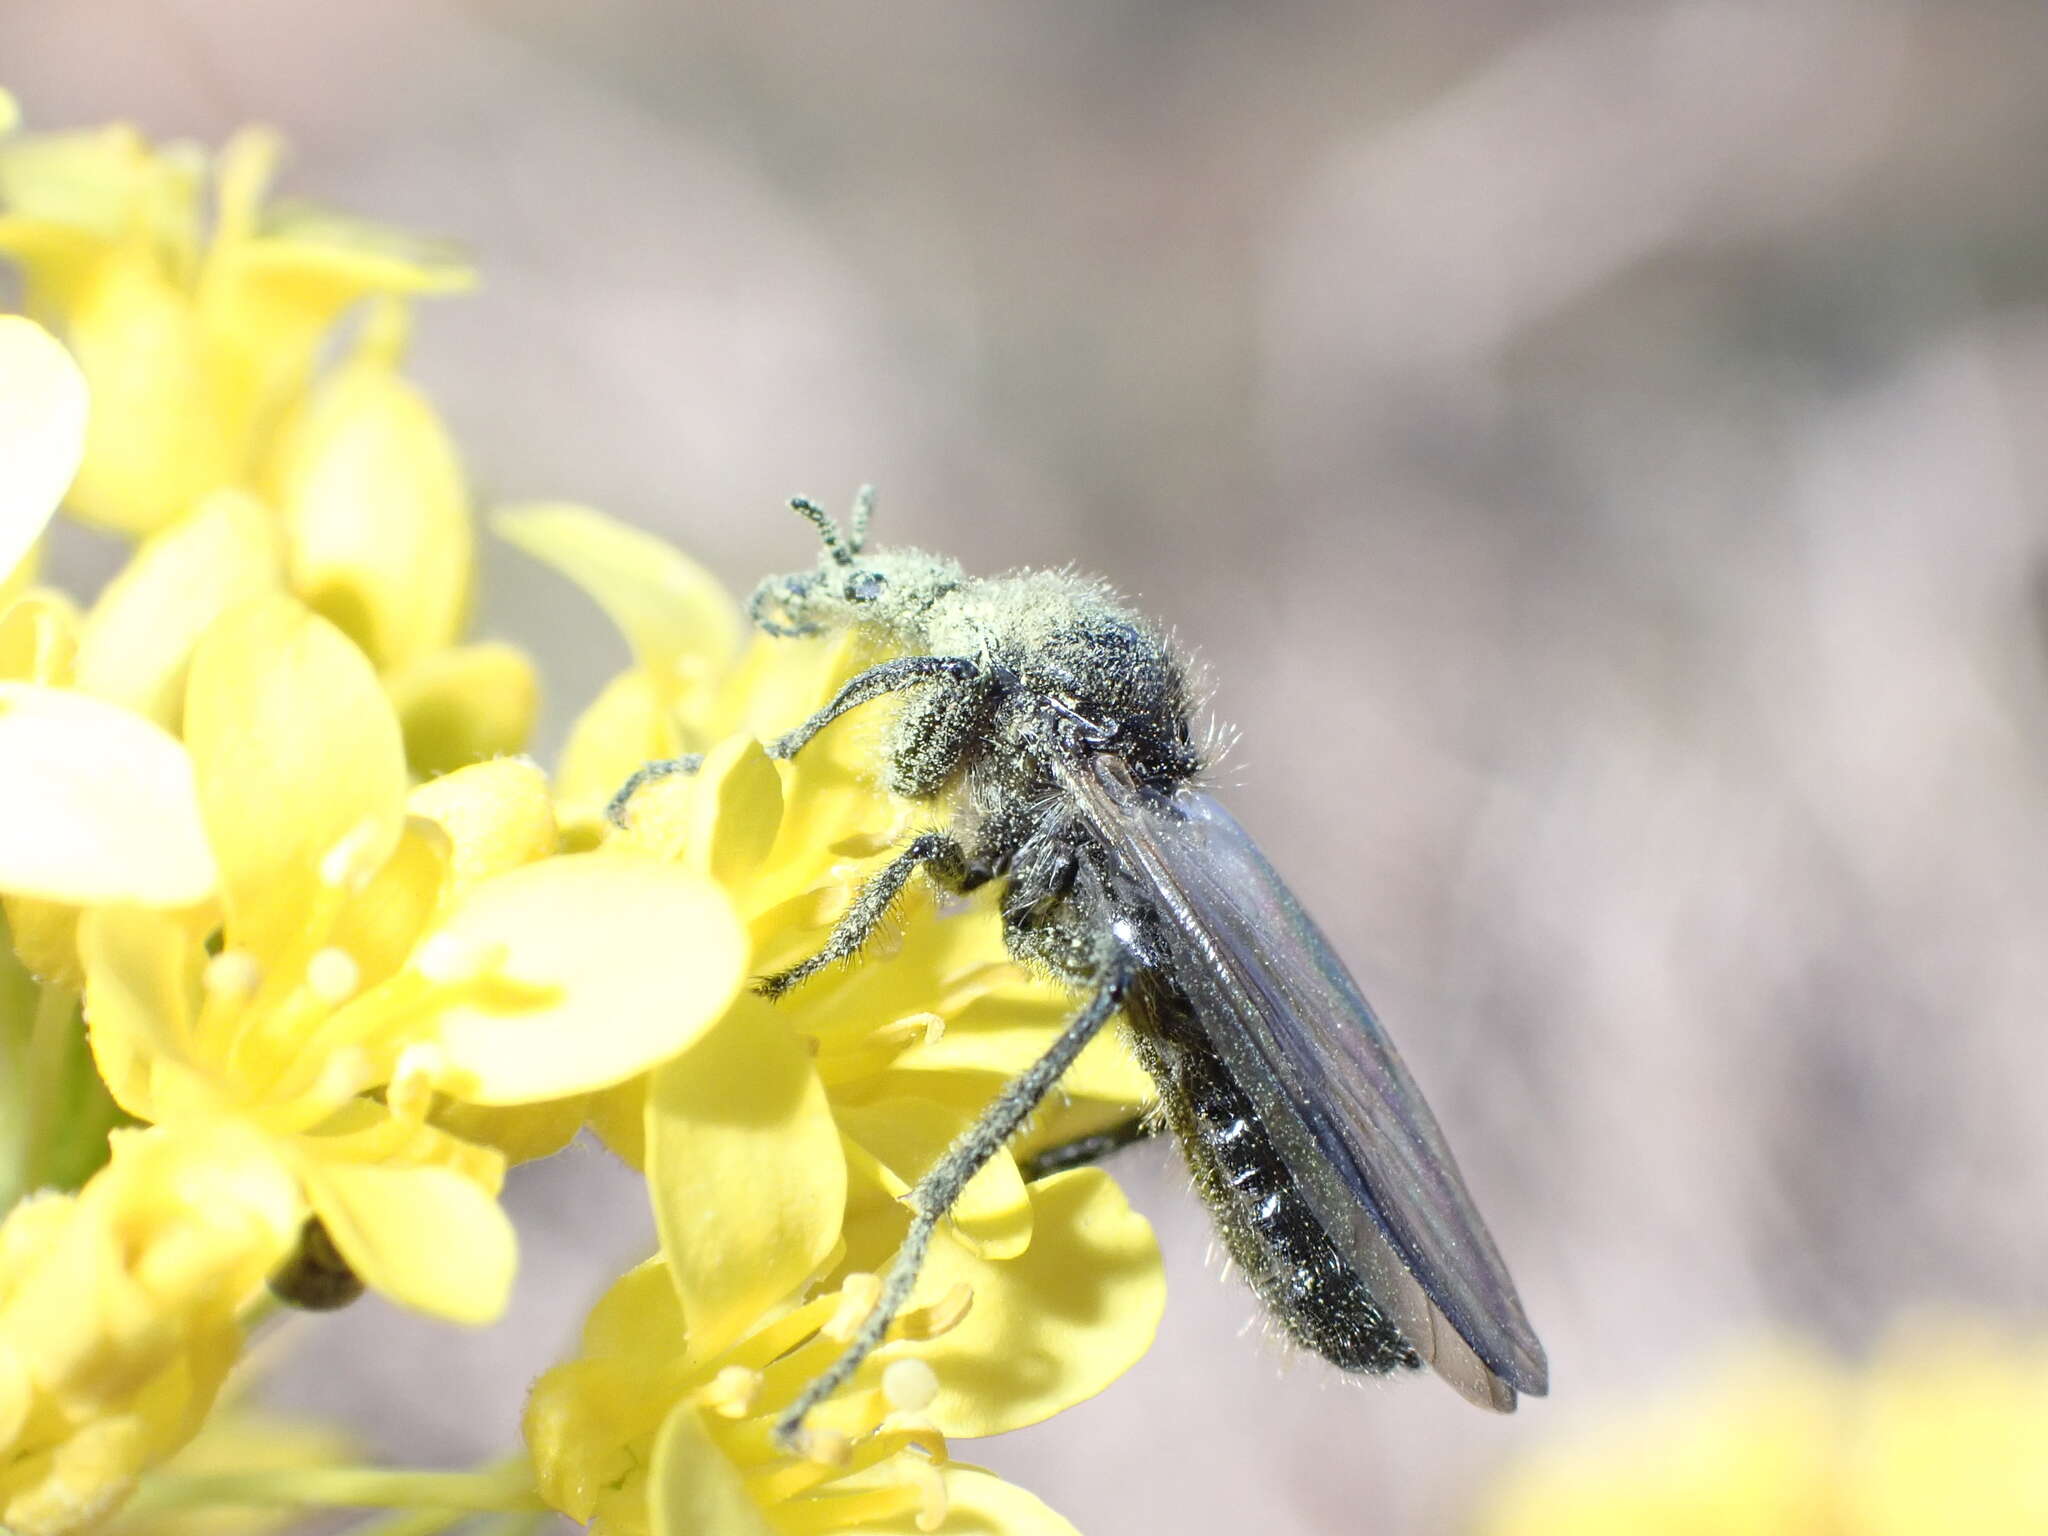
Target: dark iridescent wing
1296, 1034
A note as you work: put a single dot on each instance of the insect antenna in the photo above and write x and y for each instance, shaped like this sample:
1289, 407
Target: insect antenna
828, 530
863, 512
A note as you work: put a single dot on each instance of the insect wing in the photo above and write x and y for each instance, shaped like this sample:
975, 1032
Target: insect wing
1296, 1034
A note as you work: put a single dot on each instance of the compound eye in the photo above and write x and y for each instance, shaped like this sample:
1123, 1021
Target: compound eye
866, 587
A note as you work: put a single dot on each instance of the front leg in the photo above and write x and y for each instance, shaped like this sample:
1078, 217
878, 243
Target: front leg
935, 851
887, 677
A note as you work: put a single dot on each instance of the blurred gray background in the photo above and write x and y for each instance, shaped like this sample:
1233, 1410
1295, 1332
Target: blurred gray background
1598, 449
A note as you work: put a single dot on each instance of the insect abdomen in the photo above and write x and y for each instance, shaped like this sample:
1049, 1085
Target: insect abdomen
1265, 1223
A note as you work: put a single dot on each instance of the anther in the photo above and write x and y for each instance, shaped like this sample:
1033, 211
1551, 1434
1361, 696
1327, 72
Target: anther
909, 1385
942, 1316
414, 1080
233, 975
333, 975
731, 1394
859, 1294
827, 1447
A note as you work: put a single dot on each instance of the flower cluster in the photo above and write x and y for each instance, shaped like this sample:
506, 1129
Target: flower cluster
1942, 1431
300, 958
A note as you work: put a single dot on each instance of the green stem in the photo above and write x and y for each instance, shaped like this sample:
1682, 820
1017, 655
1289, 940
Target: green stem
49, 1052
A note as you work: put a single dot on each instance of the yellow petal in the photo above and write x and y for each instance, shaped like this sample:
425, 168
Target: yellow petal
42, 432
677, 616
100, 804
161, 434
138, 640
464, 705
693, 1489
141, 990
745, 1171
39, 639
298, 756
376, 510
319, 261
1053, 1326
727, 823
978, 1503
624, 963
907, 1136
523, 1132
624, 727
996, 1037
497, 816
10, 119
619, 1117
382, 923
428, 1238
45, 935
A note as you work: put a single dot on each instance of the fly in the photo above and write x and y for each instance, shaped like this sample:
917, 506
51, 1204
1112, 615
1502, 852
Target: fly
1054, 725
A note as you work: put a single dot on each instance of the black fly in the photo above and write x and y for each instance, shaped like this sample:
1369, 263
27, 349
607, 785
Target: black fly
1056, 721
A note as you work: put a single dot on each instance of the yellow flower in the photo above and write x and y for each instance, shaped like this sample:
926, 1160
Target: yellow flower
683, 631
42, 434
361, 949
118, 1313
662, 1427
194, 342
1941, 1432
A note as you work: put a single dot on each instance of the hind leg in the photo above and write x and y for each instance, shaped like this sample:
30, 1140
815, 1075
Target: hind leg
935, 1193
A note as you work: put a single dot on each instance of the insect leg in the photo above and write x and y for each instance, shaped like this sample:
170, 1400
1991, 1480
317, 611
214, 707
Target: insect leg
646, 773
887, 677
935, 1193
857, 924
1083, 1150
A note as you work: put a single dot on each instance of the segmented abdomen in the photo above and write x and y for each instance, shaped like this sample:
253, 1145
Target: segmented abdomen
1265, 1223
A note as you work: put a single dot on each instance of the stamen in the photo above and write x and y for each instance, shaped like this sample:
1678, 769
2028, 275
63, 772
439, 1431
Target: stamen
942, 1316
827, 1447
912, 1029
731, 1394
232, 976
859, 1294
910, 1385
931, 1483
343, 1075
351, 863
333, 975
415, 1079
